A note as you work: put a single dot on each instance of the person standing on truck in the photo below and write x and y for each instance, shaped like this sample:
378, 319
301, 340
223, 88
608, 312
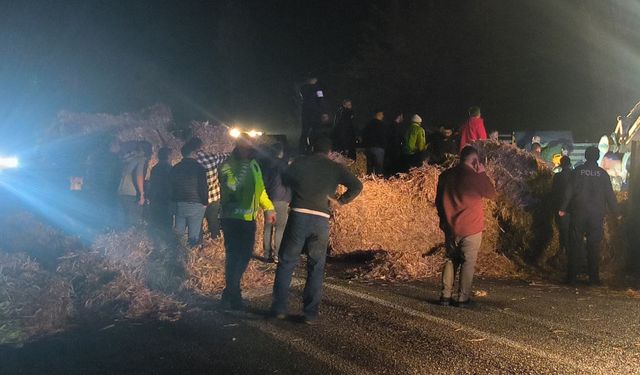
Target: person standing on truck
588, 198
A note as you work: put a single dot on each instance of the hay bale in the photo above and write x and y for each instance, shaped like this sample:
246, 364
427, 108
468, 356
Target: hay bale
153, 124
215, 137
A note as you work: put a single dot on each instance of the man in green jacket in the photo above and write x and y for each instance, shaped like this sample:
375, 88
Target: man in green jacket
242, 194
415, 142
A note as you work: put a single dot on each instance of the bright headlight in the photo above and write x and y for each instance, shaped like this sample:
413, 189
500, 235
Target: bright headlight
8, 162
234, 132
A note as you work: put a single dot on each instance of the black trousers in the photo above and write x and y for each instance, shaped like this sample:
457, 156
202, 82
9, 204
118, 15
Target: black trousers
590, 226
564, 228
239, 239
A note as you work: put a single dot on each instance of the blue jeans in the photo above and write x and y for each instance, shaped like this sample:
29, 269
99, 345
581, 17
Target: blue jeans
302, 229
271, 245
189, 216
239, 239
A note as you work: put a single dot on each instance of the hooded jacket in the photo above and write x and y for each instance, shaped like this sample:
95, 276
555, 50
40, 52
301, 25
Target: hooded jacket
415, 139
242, 191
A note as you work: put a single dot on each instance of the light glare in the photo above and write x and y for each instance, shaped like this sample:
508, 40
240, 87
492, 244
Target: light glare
8, 162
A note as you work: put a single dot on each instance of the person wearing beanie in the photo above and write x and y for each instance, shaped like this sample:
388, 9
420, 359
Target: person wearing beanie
588, 198
415, 142
313, 180
473, 129
242, 195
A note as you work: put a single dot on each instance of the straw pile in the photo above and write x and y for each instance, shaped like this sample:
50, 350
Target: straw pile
121, 275
215, 137
153, 124
397, 219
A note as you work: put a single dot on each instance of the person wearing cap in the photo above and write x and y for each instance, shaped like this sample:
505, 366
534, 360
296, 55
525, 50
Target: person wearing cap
473, 129
558, 189
415, 142
313, 180
459, 201
588, 198
242, 195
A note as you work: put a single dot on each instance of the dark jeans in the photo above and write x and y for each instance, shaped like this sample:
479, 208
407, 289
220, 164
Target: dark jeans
375, 160
302, 229
591, 226
131, 211
272, 237
213, 221
564, 228
189, 216
161, 215
239, 239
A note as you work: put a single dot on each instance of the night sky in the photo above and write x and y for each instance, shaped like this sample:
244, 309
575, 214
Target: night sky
540, 64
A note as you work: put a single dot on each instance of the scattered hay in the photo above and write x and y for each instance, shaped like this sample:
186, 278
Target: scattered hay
205, 266
34, 301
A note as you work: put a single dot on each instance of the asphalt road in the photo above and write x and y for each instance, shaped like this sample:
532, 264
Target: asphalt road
365, 328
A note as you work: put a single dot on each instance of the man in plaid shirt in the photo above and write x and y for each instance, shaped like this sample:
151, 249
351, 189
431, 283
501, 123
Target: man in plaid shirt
211, 161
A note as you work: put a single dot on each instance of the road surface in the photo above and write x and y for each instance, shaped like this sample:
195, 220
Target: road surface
365, 328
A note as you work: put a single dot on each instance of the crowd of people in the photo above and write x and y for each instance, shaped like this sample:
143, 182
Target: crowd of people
229, 190
392, 144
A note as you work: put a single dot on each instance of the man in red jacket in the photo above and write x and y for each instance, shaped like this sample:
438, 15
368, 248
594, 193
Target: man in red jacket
473, 129
461, 210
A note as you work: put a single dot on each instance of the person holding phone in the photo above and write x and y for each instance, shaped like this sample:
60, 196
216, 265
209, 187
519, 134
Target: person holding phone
459, 200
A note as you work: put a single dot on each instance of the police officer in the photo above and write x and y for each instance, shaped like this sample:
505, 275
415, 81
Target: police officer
588, 198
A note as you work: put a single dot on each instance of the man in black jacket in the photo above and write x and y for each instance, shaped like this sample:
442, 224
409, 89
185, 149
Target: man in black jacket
374, 138
313, 180
344, 130
588, 198
190, 192
559, 187
160, 191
